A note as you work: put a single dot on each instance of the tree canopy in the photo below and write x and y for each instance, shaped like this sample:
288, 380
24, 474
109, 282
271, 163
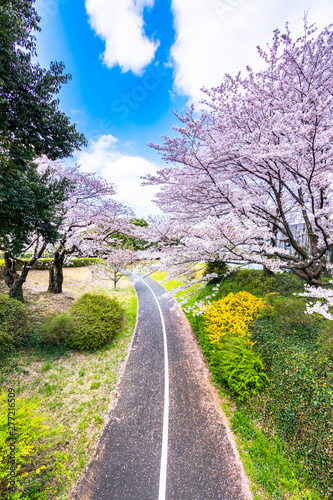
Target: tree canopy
31, 125
256, 161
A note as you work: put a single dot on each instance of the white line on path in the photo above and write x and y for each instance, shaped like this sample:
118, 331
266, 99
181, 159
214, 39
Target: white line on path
164, 457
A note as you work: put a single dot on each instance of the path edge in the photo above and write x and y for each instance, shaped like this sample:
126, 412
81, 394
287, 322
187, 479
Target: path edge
245, 482
114, 395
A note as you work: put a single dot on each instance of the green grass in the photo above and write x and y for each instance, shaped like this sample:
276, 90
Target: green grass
47, 367
266, 462
76, 387
95, 385
170, 285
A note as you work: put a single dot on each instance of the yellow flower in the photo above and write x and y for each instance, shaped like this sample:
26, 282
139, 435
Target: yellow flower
235, 315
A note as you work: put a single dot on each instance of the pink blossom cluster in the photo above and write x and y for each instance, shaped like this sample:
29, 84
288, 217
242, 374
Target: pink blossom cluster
253, 162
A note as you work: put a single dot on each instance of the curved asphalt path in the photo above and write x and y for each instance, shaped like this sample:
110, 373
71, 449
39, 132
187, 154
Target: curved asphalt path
199, 457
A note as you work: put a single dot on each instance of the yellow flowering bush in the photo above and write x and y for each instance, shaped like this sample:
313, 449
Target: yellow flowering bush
233, 361
37, 458
234, 315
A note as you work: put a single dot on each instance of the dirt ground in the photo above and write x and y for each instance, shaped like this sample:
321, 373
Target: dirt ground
77, 281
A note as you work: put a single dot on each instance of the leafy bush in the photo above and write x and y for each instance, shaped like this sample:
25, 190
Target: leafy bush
15, 327
57, 330
237, 365
218, 267
281, 478
235, 315
81, 262
253, 281
287, 312
224, 334
296, 406
299, 398
37, 457
96, 319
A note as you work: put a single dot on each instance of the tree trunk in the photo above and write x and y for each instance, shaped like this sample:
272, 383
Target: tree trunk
115, 279
267, 272
56, 276
13, 279
16, 291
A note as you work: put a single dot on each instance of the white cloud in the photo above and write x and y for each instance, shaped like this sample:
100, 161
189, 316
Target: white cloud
125, 171
120, 23
214, 37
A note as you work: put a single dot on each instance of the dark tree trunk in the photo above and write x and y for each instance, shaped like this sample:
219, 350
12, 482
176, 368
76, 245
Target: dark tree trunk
16, 291
13, 279
56, 276
116, 277
267, 272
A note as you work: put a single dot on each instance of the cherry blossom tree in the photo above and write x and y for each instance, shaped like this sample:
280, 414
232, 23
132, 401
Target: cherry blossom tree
115, 266
49, 193
323, 306
181, 249
90, 219
258, 159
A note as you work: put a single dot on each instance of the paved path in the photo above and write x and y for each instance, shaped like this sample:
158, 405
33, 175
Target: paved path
167, 437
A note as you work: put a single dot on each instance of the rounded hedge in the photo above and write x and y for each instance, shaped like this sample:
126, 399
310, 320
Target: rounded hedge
15, 327
57, 330
96, 318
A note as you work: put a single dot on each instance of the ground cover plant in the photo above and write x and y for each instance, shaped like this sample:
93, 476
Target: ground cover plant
37, 453
71, 390
283, 425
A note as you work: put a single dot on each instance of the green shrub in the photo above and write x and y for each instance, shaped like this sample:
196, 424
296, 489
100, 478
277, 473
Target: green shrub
82, 261
287, 312
237, 365
255, 282
40, 465
198, 325
96, 318
218, 267
296, 406
15, 327
57, 330
299, 398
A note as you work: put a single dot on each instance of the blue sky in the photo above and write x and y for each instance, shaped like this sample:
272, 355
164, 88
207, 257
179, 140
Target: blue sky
132, 61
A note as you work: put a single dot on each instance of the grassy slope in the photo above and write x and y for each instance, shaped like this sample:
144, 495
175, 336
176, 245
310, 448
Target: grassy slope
280, 462
76, 387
